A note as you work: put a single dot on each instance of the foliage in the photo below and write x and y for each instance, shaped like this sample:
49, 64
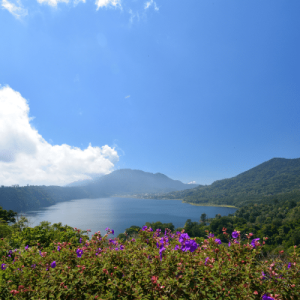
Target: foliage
279, 220
43, 235
129, 233
157, 265
5, 230
7, 216
160, 225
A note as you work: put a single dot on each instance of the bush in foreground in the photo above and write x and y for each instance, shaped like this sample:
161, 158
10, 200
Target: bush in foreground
157, 265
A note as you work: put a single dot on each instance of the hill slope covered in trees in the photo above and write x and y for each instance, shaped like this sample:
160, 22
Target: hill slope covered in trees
273, 177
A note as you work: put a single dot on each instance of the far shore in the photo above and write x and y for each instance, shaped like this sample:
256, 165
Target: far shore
210, 204
196, 204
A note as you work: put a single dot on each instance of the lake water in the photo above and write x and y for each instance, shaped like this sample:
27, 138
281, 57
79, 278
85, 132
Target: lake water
121, 213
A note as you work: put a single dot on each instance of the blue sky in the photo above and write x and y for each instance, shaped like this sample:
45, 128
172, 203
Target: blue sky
198, 90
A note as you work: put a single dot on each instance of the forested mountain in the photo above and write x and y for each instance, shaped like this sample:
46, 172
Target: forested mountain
273, 177
129, 182
33, 197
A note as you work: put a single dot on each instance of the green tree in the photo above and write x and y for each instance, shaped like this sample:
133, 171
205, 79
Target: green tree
203, 218
7, 216
5, 230
160, 225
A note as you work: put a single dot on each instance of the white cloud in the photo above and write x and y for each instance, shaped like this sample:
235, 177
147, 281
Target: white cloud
149, 3
134, 15
52, 2
103, 3
127, 97
15, 9
26, 158
78, 1
192, 182
55, 2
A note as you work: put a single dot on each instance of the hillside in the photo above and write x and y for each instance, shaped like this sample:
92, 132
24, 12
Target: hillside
273, 177
34, 197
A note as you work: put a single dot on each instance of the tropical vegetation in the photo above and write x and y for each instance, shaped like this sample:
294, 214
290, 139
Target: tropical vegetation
65, 263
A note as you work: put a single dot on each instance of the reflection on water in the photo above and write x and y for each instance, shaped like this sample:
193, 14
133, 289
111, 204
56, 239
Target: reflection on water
121, 213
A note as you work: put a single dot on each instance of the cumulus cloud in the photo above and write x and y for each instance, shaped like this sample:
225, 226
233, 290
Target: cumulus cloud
26, 158
105, 3
15, 9
192, 182
149, 3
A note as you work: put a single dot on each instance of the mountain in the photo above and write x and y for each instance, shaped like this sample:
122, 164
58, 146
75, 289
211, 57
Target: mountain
274, 177
131, 182
118, 183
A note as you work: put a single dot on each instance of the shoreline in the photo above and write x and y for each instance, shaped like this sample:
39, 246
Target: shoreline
195, 204
211, 204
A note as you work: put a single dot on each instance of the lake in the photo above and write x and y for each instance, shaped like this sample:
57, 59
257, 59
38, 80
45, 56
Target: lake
121, 213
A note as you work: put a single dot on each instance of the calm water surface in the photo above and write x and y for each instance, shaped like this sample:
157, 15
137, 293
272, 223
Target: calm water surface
121, 213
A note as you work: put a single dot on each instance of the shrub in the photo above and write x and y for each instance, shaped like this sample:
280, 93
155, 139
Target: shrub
156, 265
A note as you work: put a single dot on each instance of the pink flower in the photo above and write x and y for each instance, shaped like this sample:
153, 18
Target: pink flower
14, 292
154, 279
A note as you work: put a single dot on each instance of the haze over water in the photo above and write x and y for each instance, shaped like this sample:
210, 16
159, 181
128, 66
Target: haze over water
121, 213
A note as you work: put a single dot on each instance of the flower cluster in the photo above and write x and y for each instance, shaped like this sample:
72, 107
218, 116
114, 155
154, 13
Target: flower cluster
187, 244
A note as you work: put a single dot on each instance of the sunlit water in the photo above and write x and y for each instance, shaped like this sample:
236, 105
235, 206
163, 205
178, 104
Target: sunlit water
121, 213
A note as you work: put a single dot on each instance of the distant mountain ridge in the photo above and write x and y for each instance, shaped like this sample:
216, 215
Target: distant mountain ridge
276, 176
129, 182
124, 182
